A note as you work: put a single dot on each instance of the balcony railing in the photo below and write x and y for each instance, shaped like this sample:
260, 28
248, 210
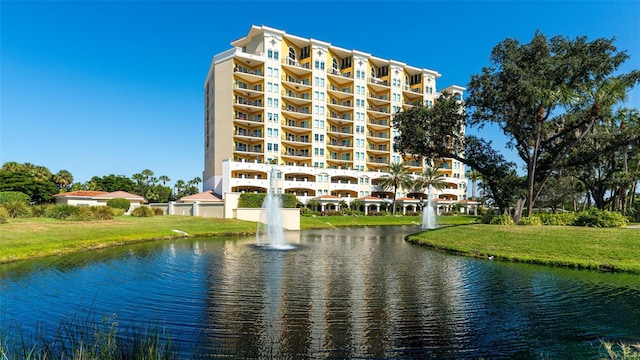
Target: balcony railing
379, 135
291, 79
379, 147
241, 85
377, 81
336, 115
377, 160
337, 72
293, 62
254, 118
345, 130
292, 94
242, 132
298, 124
379, 109
415, 90
379, 122
246, 148
344, 143
342, 103
244, 101
301, 110
379, 97
344, 89
302, 139
291, 152
242, 69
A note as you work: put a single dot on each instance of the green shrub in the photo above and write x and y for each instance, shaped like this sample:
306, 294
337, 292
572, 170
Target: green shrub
119, 203
66, 212
116, 212
562, 219
4, 215
157, 211
142, 211
503, 219
254, 201
17, 209
39, 210
100, 213
9, 196
600, 218
530, 221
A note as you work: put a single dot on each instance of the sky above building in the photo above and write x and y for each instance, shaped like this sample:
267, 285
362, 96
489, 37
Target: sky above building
99, 88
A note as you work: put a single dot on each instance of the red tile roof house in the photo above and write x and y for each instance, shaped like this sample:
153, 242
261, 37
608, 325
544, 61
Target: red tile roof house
97, 198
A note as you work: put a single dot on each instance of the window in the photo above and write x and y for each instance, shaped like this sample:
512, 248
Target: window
275, 147
270, 54
269, 102
269, 87
275, 102
270, 146
276, 55
316, 95
269, 71
276, 72
270, 132
275, 117
415, 79
276, 88
346, 63
373, 72
334, 65
305, 52
383, 71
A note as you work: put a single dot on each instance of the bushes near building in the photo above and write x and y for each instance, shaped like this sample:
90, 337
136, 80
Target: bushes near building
591, 218
119, 203
17, 209
253, 201
142, 211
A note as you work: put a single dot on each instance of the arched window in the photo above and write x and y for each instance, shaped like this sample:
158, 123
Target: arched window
334, 65
373, 72
406, 80
292, 53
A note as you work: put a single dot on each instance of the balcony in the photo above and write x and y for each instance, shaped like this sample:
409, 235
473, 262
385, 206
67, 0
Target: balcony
296, 152
296, 67
346, 90
383, 122
339, 116
249, 75
295, 138
341, 130
342, 143
245, 117
297, 110
247, 133
379, 135
378, 160
379, 147
340, 78
297, 83
243, 101
381, 109
297, 124
239, 85
249, 149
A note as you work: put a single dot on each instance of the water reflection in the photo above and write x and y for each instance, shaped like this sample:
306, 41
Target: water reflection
345, 293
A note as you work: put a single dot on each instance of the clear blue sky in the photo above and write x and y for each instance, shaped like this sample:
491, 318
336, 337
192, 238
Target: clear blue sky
102, 88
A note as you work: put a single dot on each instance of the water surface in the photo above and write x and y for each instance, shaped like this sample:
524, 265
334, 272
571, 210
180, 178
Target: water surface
347, 293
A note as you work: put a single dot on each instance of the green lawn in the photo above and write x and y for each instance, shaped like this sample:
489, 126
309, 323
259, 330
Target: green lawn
37, 237
321, 222
578, 247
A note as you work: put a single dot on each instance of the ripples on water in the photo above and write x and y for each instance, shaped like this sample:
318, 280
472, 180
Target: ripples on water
349, 293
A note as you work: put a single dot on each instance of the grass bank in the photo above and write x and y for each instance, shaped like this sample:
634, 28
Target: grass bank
616, 249
328, 222
22, 239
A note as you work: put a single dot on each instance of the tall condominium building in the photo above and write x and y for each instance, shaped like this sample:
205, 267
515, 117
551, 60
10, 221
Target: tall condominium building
315, 115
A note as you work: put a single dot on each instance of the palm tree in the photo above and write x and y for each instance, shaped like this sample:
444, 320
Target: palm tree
397, 177
164, 179
178, 186
12, 166
430, 177
474, 175
139, 178
63, 179
196, 181
147, 174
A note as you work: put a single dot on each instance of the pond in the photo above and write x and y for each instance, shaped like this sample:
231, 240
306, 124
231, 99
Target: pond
345, 293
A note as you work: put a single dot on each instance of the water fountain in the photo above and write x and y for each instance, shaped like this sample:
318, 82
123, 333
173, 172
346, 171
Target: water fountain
429, 212
272, 236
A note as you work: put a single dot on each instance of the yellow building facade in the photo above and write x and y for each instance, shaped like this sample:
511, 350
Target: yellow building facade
317, 113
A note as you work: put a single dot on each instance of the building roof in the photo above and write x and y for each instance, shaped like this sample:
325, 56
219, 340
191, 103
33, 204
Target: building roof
121, 194
81, 193
208, 195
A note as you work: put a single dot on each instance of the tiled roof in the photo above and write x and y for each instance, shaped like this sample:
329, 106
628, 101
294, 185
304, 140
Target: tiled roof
208, 195
81, 193
121, 194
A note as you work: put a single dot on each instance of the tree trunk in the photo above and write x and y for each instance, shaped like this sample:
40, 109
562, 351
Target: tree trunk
517, 214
